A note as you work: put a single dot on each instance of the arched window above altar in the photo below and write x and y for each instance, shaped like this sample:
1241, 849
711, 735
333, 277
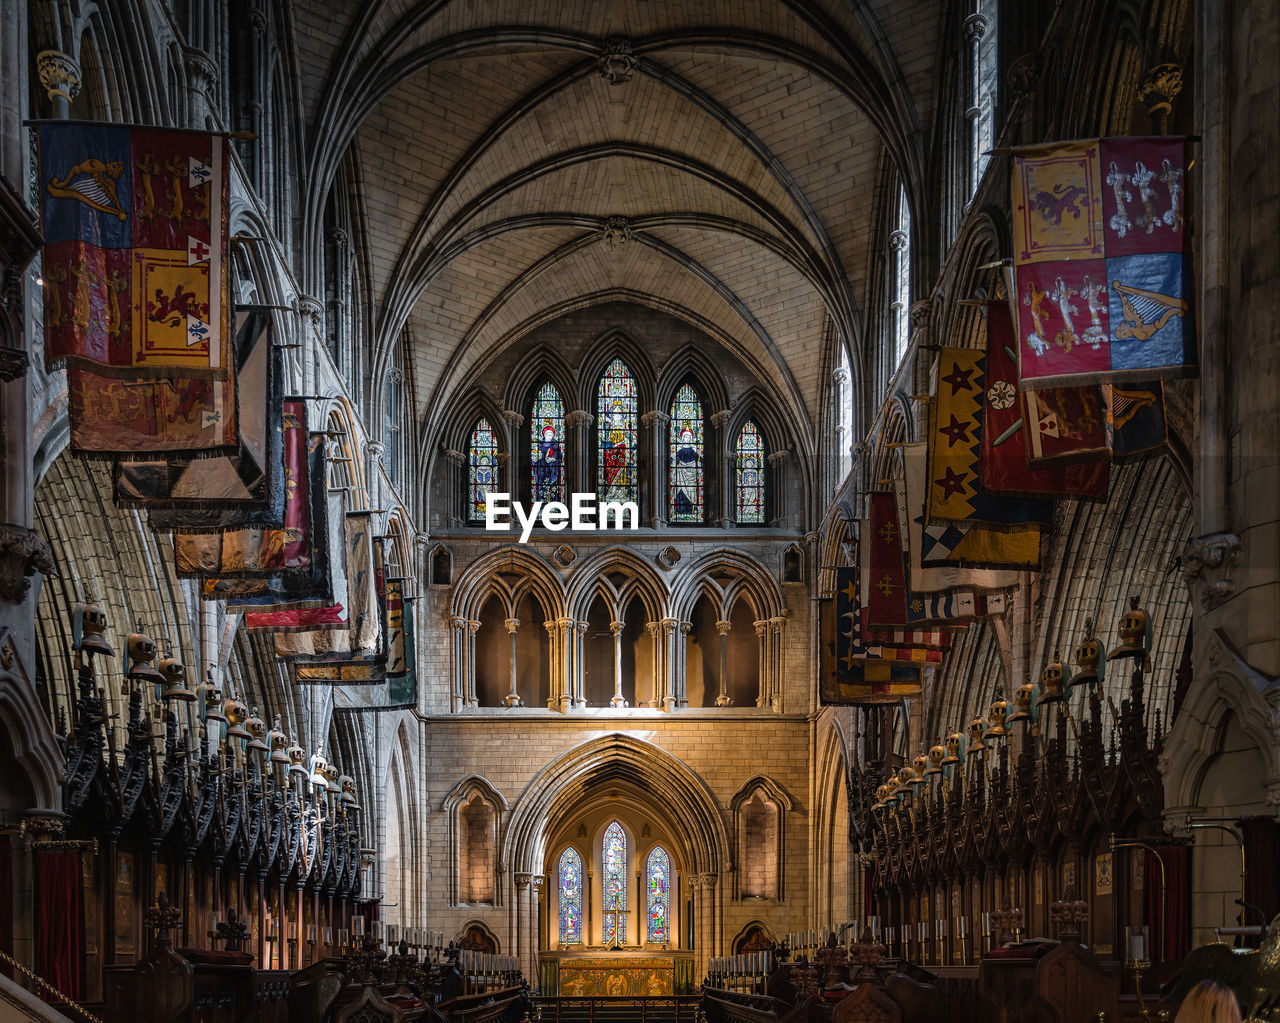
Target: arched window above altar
658, 886
613, 881
570, 891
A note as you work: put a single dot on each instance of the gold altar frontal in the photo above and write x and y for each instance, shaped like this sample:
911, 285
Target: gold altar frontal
616, 974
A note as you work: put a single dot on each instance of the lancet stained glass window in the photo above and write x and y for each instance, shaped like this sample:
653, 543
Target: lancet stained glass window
546, 442
616, 419
749, 454
570, 896
614, 884
685, 486
482, 465
658, 879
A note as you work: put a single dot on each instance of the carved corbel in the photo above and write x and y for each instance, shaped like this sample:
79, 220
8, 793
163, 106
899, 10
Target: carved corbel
1207, 562
22, 554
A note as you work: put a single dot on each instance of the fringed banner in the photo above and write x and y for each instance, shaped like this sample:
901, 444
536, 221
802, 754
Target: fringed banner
935, 579
1100, 261
850, 674
1005, 467
267, 552
135, 254
232, 491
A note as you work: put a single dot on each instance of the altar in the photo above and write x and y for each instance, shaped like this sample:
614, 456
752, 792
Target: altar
590, 974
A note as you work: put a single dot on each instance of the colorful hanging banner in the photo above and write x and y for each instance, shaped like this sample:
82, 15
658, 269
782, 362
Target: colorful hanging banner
850, 675
955, 492
229, 491
135, 254
910, 492
1135, 422
325, 617
885, 593
1120, 423
1100, 264
266, 552
1005, 469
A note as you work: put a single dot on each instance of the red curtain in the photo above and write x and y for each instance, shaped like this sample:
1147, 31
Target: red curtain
1175, 926
6, 902
59, 919
1261, 854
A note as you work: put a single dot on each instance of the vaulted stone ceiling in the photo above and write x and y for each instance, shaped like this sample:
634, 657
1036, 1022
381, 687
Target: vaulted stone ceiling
519, 159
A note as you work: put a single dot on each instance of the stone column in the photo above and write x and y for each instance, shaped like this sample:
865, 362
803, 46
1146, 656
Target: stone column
512, 699
555, 684
579, 665
777, 486
618, 699
762, 642
520, 928
667, 694
471, 699
724, 699
654, 629
655, 500
720, 447
565, 698
515, 424
581, 450
678, 676
202, 76
457, 495
60, 75
775, 663
375, 450
458, 662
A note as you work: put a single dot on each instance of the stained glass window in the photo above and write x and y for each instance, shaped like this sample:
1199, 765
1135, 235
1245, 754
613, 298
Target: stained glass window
750, 458
614, 881
616, 418
570, 896
546, 445
685, 485
658, 878
482, 469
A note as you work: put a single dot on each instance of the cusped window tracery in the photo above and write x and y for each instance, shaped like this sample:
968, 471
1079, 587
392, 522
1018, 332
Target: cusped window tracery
686, 483
617, 417
749, 473
546, 446
482, 469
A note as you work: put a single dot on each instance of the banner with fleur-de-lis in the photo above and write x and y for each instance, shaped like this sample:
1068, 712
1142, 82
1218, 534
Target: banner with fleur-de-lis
1100, 264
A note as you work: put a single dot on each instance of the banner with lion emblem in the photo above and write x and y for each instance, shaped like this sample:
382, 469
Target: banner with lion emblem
1100, 263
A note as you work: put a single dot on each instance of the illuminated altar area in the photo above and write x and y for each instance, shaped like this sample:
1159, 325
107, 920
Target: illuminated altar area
615, 897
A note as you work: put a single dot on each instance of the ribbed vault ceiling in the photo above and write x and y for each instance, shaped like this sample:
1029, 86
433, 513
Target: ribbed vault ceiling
742, 143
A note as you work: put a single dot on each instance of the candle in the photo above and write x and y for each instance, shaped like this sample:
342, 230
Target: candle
342, 937
358, 925
311, 934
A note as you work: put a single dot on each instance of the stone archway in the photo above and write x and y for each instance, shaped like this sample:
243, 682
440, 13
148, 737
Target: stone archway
623, 761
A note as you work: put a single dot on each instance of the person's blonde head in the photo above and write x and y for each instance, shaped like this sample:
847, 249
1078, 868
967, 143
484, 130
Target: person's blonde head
1209, 1002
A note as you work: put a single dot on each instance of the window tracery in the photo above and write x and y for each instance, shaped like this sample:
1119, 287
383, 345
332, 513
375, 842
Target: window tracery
546, 446
686, 485
900, 246
482, 462
658, 885
749, 460
614, 884
616, 418
570, 885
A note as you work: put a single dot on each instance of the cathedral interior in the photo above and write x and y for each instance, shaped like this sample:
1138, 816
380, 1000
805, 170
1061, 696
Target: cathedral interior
916, 652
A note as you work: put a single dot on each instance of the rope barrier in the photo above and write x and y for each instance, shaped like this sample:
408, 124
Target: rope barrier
50, 988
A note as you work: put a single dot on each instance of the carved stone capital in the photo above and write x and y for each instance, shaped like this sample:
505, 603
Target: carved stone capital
1023, 74
617, 627
311, 310
724, 628
513, 417
1160, 86
43, 827
655, 419
777, 457
975, 27
579, 418
1272, 790
919, 314
59, 74
456, 457
376, 450
200, 68
512, 624
617, 231
22, 554
616, 62
1207, 562
719, 419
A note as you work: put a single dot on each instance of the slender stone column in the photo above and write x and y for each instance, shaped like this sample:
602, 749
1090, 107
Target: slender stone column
458, 667
512, 699
777, 486
721, 449
724, 699
618, 699
471, 699
458, 494
681, 661
581, 450
775, 663
656, 500
667, 695
555, 688
654, 629
762, 642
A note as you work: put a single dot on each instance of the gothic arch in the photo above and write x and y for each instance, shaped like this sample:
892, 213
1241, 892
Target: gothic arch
693, 365
474, 844
750, 577
532, 574
611, 344
542, 363
767, 858
591, 578
617, 757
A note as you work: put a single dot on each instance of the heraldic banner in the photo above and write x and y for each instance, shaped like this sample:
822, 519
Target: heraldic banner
135, 250
851, 675
1100, 262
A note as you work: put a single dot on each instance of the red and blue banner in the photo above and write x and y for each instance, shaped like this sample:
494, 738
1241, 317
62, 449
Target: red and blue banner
1100, 261
135, 250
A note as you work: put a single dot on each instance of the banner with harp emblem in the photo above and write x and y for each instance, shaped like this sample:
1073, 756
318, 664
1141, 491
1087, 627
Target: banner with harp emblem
135, 250
1101, 271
